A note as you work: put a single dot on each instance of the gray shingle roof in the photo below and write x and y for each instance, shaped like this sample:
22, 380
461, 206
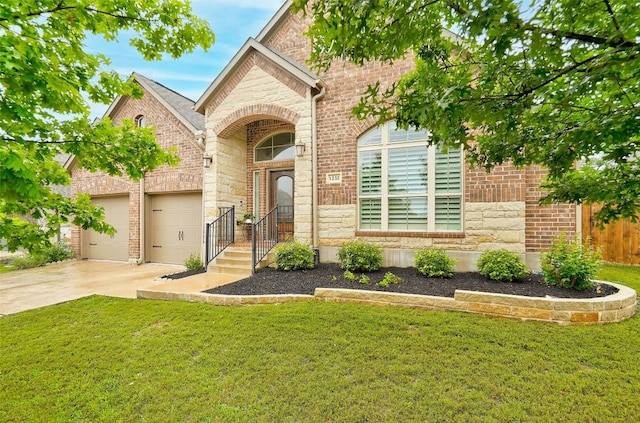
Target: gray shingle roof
180, 104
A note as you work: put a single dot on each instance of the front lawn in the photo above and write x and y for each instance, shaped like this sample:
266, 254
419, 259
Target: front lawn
626, 275
104, 359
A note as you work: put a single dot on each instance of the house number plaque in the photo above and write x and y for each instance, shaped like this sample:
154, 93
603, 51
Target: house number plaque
334, 178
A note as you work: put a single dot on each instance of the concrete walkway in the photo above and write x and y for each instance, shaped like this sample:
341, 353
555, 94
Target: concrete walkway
60, 282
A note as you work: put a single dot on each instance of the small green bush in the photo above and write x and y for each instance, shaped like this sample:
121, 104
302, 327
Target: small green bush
56, 252
360, 256
570, 264
501, 265
293, 255
51, 254
434, 263
194, 262
349, 276
389, 278
364, 279
28, 261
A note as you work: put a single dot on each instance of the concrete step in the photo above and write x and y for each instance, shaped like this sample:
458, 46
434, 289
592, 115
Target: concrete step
233, 261
230, 270
237, 261
237, 252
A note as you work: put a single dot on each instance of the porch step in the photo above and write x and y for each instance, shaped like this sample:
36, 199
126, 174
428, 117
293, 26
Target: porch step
237, 261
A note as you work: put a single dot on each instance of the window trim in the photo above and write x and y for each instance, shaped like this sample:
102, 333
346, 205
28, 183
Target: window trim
257, 146
139, 121
384, 146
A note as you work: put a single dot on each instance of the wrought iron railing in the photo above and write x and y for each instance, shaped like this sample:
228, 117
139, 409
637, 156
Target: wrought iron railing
285, 223
264, 236
220, 233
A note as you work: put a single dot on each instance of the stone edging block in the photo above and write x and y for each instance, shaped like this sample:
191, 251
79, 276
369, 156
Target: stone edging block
565, 311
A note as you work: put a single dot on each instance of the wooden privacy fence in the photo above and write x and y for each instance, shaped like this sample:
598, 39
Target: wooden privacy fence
619, 241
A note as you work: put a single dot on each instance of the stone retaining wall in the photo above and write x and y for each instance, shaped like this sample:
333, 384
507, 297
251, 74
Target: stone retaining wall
564, 311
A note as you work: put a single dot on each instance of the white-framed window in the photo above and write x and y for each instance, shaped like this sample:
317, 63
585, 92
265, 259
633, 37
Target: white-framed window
406, 185
139, 121
276, 147
256, 193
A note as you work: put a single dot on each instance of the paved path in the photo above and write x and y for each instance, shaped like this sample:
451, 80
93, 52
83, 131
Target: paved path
55, 283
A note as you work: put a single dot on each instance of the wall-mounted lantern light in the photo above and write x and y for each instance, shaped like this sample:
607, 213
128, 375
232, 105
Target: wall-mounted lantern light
206, 161
300, 147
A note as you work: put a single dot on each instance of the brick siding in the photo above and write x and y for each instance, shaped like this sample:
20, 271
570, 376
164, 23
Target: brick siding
170, 132
338, 132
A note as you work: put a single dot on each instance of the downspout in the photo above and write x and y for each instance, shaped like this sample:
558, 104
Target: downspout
201, 137
142, 222
314, 160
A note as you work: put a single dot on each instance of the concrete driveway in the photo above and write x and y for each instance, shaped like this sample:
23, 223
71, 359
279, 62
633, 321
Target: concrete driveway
60, 282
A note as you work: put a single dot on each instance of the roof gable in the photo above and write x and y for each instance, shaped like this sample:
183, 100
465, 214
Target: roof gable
250, 46
180, 106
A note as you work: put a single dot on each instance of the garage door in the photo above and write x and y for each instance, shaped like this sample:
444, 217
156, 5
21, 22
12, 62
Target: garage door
109, 247
174, 227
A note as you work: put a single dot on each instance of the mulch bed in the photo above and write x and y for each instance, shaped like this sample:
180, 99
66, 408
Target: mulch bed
329, 275
184, 274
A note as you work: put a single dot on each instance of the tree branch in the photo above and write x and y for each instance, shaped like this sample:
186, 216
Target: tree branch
618, 42
61, 7
613, 16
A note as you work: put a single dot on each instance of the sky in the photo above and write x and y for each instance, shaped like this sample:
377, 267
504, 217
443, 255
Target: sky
232, 21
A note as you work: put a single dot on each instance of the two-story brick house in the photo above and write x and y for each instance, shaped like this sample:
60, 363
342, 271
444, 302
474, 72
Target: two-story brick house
159, 218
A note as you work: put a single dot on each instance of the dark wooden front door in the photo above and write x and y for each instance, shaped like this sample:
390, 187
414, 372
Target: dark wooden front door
281, 193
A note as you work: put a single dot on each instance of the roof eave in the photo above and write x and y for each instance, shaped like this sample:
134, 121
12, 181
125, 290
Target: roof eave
274, 21
166, 104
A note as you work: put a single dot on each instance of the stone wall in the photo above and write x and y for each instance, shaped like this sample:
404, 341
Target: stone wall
259, 99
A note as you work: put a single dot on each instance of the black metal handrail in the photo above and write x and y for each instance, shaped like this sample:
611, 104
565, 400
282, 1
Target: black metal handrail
220, 233
264, 237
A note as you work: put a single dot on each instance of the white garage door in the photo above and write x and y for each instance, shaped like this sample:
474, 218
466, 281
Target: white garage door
174, 227
109, 247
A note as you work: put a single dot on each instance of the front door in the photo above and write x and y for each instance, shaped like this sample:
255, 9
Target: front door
281, 193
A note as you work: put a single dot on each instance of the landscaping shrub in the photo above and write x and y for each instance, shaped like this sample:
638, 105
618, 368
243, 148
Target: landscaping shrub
27, 262
501, 265
56, 252
349, 276
570, 264
293, 255
360, 256
51, 254
389, 278
194, 262
434, 263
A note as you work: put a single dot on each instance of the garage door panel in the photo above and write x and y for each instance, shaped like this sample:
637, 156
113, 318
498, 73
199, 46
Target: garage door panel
175, 227
109, 247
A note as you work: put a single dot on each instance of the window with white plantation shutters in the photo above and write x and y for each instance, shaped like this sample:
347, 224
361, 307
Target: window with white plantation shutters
405, 185
370, 172
448, 183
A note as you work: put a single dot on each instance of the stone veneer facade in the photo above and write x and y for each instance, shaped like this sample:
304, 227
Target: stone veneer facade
253, 105
501, 208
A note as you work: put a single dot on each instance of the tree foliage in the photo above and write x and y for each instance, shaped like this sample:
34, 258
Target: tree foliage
46, 78
546, 82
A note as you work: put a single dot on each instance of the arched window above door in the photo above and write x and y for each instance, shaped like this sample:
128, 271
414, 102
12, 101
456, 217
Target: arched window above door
276, 147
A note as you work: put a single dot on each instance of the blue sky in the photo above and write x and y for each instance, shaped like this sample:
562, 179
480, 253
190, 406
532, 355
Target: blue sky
233, 21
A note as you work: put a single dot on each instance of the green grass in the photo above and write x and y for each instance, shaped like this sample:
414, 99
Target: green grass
627, 275
103, 359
